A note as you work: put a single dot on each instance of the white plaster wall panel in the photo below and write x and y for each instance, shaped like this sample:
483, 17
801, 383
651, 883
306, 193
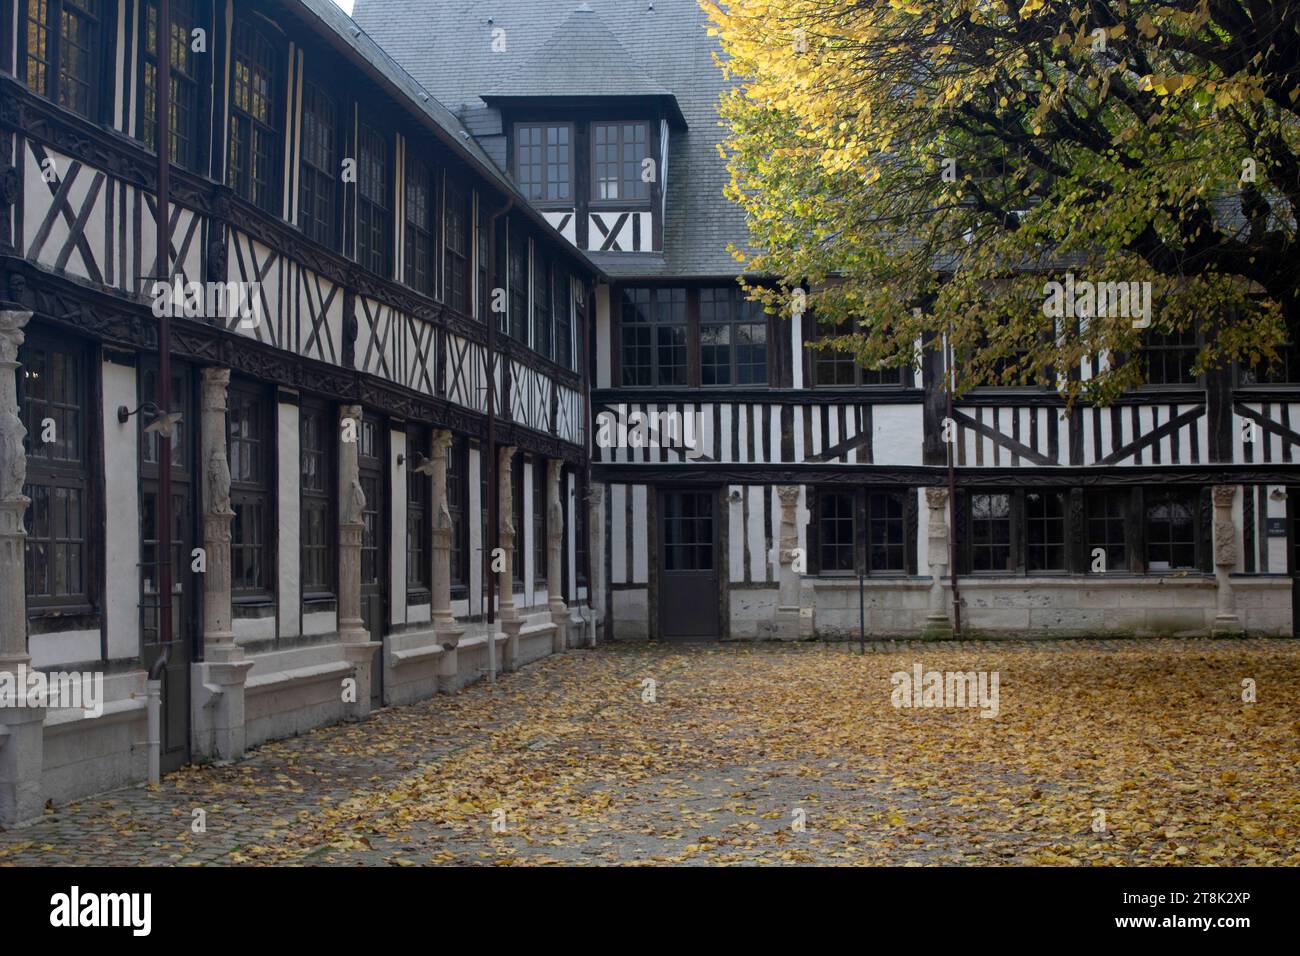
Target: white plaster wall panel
741, 424
922, 533
756, 533
896, 434
724, 440
565, 223
288, 520
736, 533
419, 613
640, 543
248, 629
57, 213
602, 337
318, 306
1276, 546
774, 436
69, 647
467, 373
618, 522
832, 426
798, 435
397, 526
797, 349
476, 507
320, 622
122, 516
395, 346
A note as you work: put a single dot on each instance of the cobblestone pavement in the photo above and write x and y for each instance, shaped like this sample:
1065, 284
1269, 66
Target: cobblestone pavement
1100, 752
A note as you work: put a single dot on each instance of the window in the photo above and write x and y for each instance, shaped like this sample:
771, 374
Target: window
733, 339
457, 490
1284, 371
542, 316
254, 138
481, 236
518, 286
1167, 358
886, 550
517, 517
420, 219
540, 579
563, 316
52, 403
184, 91
543, 162
688, 531
653, 336
250, 452
835, 530
374, 215
1170, 529
317, 438
618, 151
1045, 530
63, 47
580, 530
1107, 521
419, 523
990, 532
834, 368
318, 178
457, 250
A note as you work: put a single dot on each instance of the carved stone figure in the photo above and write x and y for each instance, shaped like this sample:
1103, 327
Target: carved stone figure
218, 484
1225, 531
13, 457
354, 505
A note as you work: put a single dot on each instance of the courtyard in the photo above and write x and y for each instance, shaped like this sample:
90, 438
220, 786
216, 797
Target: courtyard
1159, 752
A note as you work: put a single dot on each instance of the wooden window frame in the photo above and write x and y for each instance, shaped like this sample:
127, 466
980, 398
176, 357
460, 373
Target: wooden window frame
458, 508
192, 156
419, 243
259, 493
419, 519
816, 357
736, 308
55, 61
317, 183
543, 305
268, 196
324, 498
457, 246
654, 323
374, 249
862, 501
67, 473
544, 164
538, 526
622, 199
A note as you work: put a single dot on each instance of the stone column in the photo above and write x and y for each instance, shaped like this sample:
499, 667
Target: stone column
507, 614
445, 627
786, 624
22, 729
937, 624
217, 701
554, 554
596, 556
358, 648
1226, 621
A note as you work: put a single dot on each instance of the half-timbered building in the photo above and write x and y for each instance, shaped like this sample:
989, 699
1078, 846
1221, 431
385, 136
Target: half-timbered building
814, 499
338, 440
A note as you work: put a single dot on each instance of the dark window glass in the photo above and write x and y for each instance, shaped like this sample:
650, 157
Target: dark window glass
374, 215
458, 507
52, 398
318, 433
318, 177
518, 286
990, 539
688, 532
835, 368
1167, 358
539, 523
370, 451
563, 304
1107, 521
184, 92
733, 339
457, 250
419, 524
61, 58
1170, 530
517, 516
581, 531
1045, 530
618, 152
653, 336
544, 163
254, 135
542, 313
836, 528
885, 532
419, 225
250, 452
481, 239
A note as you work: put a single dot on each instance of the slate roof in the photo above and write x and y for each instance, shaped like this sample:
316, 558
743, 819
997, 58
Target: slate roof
349, 35
447, 46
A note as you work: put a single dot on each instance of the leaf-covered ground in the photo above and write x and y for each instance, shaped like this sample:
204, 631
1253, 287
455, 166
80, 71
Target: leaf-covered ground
1102, 753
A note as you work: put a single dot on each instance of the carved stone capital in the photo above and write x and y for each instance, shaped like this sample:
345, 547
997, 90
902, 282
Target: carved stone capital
216, 384
789, 495
11, 335
1224, 495
936, 498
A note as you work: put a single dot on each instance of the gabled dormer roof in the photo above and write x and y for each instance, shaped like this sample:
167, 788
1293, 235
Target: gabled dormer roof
582, 61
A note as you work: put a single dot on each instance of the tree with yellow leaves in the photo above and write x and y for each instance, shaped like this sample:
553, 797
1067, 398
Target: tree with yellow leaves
930, 166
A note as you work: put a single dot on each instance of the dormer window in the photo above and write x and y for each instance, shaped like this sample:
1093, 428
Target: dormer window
544, 161
618, 152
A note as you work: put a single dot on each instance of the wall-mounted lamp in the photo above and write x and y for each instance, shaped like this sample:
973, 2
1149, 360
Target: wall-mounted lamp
162, 424
735, 495
419, 464
1278, 494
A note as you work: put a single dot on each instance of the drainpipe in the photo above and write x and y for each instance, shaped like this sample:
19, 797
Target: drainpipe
163, 507
952, 493
585, 368
493, 530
